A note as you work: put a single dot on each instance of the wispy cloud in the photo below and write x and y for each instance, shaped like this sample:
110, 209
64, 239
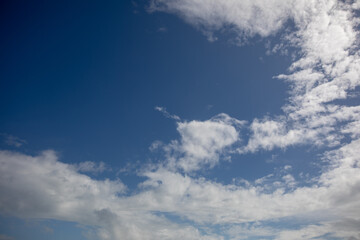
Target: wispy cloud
167, 114
12, 140
245, 17
162, 29
91, 167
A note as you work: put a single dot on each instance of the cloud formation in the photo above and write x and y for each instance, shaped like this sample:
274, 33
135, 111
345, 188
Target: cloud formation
202, 142
327, 69
175, 203
246, 18
166, 113
43, 187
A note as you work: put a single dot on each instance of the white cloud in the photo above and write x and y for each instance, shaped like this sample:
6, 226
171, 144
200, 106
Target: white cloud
166, 113
245, 17
43, 187
202, 142
268, 133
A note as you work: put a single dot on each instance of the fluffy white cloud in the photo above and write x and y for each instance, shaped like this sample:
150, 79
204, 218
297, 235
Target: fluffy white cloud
43, 187
268, 133
202, 142
327, 71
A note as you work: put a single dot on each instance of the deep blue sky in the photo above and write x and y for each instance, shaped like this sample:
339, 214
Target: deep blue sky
84, 77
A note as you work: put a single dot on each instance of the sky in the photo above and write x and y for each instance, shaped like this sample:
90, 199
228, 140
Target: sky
180, 119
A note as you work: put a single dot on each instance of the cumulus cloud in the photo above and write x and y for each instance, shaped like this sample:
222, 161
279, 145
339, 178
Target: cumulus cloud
43, 187
202, 142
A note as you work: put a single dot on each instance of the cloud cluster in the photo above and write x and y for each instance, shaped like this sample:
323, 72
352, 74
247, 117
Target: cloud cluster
173, 202
327, 69
43, 187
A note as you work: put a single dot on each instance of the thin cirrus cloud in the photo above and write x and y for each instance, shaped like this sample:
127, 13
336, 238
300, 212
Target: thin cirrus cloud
326, 71
11, 140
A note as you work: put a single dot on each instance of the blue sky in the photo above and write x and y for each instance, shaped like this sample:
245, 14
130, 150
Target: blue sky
180, 119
